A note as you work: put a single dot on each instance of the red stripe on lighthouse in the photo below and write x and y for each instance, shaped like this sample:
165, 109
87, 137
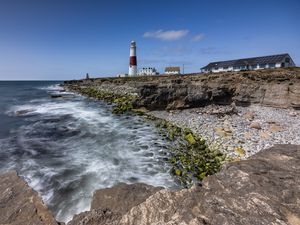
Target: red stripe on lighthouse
132, 61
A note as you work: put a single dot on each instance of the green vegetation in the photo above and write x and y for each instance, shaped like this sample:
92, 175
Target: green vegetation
121, 102
191, 157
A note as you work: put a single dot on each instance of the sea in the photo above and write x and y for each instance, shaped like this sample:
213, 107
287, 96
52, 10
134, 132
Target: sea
68, 147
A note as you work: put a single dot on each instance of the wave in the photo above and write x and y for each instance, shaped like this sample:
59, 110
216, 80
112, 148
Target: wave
68, 149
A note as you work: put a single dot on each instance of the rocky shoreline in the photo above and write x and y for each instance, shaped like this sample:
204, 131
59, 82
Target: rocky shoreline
263, 190
240, 115
240, 131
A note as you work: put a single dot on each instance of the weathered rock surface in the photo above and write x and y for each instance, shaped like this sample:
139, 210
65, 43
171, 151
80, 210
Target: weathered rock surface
276, 88
109, 204
264, 189
122, 197
20, 205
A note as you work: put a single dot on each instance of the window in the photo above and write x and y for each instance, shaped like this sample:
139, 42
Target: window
216, 68
236, 67
253, 66
262, 66
272, 65
287, 60
225, 67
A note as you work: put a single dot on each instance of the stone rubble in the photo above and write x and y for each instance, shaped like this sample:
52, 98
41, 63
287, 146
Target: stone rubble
244, 129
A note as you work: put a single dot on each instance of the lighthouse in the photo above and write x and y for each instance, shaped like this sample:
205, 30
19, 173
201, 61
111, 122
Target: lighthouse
132, 61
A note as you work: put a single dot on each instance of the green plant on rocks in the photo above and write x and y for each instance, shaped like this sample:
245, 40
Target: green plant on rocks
191, 158
121, 102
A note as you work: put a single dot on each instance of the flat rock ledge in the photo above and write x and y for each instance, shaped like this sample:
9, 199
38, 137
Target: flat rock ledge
264, 189
20, 205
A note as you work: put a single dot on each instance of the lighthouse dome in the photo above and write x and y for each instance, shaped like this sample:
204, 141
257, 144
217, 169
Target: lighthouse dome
133, 44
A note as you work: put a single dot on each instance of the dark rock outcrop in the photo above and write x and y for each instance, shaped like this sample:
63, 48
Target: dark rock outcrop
276, 88
20, 205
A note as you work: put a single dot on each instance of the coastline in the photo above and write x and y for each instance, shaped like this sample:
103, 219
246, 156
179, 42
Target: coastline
247, 189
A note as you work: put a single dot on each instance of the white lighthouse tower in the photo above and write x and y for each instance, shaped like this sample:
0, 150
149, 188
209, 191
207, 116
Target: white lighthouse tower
132, 61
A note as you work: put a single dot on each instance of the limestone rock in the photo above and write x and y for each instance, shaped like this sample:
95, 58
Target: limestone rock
20, 205
109, 204
255, 125
122, 197
263, 190
275, 88
249, 116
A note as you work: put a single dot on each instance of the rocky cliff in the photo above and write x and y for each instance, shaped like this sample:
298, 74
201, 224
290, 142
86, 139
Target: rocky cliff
265, 189
276, 88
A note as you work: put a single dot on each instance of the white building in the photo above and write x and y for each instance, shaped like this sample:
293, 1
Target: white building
148, 71
256, 63
122, 75
172, 70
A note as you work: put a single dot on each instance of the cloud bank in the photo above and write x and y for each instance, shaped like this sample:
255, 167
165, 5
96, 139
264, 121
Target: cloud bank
166, 35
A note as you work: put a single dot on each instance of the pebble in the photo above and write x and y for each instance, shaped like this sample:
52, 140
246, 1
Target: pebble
276, 126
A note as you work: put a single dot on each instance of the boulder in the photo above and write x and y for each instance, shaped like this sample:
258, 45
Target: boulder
20, 204
255, 125
109, 204
263, 190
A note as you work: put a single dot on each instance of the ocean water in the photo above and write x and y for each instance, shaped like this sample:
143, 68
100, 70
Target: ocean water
66, 148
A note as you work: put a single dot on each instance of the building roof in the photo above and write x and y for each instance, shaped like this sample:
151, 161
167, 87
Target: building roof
172, 68
247, 61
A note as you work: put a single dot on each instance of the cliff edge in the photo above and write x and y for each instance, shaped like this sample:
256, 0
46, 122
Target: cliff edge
275, 87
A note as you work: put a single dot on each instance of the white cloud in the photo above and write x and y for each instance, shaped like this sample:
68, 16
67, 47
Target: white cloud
167, 35
198, 37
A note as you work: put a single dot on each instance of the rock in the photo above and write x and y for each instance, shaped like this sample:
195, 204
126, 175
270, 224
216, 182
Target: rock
275, 128
96, 217
190, 139
23, 112
264, 135
220, 131
122, 197
247, 135
240, 151
109, 204
249, 116
293, 114
177, 104
268, 88
255, 125
56, 96
19, 204
262, 190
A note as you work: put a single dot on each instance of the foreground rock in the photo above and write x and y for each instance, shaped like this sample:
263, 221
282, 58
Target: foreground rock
265, 189
110, 204
20, 205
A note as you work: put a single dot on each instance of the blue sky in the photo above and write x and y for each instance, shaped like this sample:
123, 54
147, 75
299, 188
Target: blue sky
64, 39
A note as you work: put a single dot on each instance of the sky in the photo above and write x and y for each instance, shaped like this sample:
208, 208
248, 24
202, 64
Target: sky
65, 39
